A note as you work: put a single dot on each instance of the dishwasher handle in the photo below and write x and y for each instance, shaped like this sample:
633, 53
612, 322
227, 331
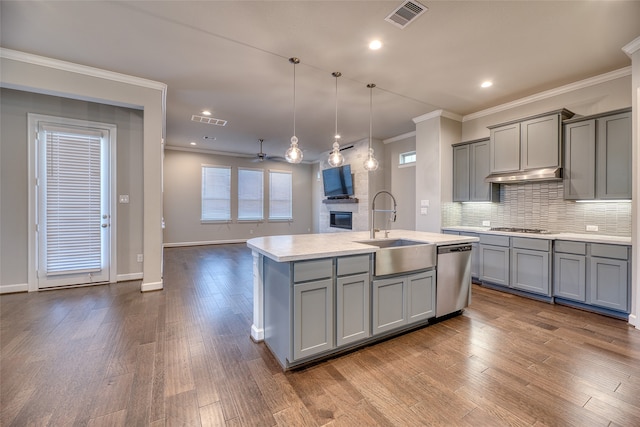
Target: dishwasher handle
453, 249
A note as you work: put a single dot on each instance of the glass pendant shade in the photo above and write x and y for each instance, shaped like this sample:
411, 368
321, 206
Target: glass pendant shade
335, 157
294, 154
370, 163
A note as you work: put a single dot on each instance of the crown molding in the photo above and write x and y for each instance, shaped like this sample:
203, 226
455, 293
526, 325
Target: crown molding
632, 47
592, 81
399, 137
80, 69
437, 113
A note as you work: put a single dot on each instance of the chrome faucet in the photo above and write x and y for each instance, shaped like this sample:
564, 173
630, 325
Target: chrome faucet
392, 217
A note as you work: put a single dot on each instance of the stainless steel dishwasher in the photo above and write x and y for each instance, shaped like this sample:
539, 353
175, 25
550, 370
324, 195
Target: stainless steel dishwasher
453, 278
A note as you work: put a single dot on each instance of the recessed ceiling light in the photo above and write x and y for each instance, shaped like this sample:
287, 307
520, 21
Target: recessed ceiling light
486, 84
192, 143
206, 113
375, 45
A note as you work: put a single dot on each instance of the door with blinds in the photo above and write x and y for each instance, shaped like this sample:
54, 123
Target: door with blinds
73, 218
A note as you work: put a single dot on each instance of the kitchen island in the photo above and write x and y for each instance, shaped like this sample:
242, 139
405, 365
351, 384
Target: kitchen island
325, 283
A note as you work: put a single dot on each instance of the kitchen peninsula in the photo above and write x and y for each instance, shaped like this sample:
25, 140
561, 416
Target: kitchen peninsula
319, 294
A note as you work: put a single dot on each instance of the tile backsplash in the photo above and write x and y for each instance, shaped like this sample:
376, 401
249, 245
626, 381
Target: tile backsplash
541, 205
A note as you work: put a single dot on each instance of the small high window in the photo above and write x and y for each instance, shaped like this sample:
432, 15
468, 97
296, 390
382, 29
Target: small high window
408, 157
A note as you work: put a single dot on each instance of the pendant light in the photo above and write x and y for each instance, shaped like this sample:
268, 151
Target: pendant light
294, 154
335, 157
370, 163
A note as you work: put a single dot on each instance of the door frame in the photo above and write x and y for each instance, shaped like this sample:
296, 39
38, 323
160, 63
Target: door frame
32, 125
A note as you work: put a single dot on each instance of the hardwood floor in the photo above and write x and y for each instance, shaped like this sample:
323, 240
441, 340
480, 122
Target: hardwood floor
110, 356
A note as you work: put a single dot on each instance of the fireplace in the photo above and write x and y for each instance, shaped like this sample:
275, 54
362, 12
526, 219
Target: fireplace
339, 219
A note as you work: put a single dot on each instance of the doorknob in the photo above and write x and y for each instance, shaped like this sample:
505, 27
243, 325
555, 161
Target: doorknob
105, 225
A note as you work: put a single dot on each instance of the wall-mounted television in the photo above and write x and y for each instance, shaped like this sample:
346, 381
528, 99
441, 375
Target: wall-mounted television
337, 182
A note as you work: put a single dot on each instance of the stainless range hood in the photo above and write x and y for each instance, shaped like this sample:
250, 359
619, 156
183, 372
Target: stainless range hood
546, 174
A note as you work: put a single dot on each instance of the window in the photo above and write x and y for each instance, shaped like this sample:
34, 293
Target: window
409, 157
280, 206
216, 193
250, 199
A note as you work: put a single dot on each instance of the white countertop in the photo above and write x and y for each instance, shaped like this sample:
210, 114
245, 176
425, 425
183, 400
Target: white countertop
579, 237
310, 246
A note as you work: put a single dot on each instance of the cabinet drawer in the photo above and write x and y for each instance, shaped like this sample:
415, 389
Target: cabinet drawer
468, 234
533, 244
609, 251
566, 247
353, 265
312, 270
492, 239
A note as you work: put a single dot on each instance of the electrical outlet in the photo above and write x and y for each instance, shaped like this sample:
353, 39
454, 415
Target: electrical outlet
140, 257
592, 228
124, 198
423, 211
486, 223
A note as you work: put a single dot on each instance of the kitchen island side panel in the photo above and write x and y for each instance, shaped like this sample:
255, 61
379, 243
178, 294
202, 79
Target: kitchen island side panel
277, 308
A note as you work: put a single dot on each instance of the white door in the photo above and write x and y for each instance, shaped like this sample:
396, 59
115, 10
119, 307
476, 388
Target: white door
73, 212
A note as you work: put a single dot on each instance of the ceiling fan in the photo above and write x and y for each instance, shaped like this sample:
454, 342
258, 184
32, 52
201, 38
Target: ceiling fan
262, 156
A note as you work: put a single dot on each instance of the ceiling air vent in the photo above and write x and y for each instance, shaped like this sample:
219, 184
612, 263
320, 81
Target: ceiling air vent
208, 120
406, 13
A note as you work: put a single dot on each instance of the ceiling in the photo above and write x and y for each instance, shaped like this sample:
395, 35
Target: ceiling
231, 57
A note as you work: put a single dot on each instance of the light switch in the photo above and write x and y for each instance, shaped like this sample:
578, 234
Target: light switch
424, 203
124, 198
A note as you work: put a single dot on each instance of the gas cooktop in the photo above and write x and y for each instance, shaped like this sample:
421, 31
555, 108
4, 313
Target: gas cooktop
520, 230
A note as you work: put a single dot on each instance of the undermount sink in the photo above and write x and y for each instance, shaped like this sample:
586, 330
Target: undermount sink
401, 256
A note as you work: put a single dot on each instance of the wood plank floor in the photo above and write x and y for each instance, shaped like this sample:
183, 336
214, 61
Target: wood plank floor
112, 356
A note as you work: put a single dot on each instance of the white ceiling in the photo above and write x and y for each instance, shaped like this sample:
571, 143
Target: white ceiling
232, 57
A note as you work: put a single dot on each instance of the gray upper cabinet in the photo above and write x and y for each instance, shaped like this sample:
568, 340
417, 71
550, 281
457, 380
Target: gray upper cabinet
505, 148
539, 142
597, 162
461, 173
580, 160
470, 168
530, 143
613, 170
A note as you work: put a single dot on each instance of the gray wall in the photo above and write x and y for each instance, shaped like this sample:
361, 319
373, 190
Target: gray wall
182, 184
14, 106
401, 180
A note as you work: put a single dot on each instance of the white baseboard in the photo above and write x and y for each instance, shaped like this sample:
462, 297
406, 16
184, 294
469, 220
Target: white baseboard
128, 277
10, 289
155, 286
257, 334
211, 242
633, 320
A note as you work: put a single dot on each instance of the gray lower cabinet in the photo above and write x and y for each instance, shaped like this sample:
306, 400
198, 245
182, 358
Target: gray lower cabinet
312, 318
494, 259
593, 275
352, 308
475, 255
597, 162
530, 265
402, 300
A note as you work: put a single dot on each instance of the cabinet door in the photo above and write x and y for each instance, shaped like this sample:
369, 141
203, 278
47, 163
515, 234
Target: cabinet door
613, 169
421, 296
312, 318
540, 142
505, 148
479, 190
494, 264
569, 277
580, 160
608, 284
352, 308
475, 260
389, 305
461, 173
530, 271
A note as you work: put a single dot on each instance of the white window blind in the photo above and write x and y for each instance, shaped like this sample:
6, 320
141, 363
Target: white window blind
216, 193
73, 201
250, 194
280, 190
